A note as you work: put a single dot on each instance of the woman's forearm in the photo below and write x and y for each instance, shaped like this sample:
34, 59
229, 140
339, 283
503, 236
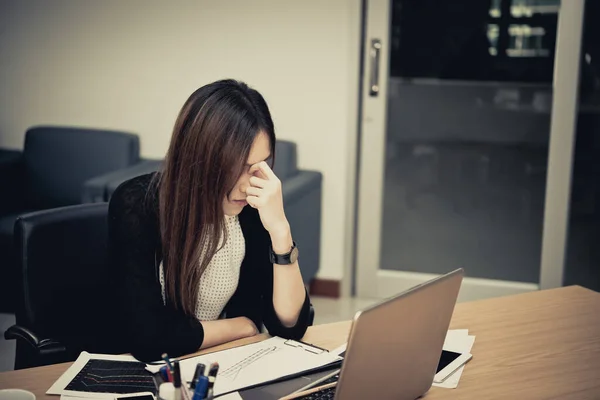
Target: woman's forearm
226, 330
288, 287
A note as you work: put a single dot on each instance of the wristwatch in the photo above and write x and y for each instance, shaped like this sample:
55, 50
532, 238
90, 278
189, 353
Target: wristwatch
285, 259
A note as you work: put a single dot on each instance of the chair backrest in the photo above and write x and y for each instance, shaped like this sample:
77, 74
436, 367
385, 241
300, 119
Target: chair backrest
58, 160
62, 255
285, 159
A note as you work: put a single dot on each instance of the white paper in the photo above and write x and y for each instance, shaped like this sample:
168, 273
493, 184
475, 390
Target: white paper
339, 350
455, 334
255, 363
458, 341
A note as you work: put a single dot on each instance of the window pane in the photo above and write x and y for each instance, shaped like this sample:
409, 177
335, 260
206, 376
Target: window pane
474, 40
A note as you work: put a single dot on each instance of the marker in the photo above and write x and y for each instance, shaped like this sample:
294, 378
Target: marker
212, 377
197, 374
177, 380
201, 388
214, 369
164, 373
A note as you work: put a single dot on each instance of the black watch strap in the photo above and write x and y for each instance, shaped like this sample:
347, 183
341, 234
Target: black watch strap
287, 258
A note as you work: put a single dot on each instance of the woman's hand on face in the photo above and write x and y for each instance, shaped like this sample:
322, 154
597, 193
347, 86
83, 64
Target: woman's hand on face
264, 194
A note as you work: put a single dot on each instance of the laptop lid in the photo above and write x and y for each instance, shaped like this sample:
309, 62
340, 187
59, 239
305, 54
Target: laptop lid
394, 347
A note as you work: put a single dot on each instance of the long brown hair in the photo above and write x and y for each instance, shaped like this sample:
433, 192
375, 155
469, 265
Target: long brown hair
211, 141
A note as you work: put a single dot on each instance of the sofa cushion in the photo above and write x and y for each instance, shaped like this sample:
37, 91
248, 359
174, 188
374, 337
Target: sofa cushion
285, 159
58, 160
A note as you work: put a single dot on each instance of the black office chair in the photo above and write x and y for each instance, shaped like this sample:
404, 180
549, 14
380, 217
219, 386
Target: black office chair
51, 171
62, 255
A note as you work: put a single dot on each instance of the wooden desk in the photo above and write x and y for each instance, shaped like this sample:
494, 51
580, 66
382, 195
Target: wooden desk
537, 345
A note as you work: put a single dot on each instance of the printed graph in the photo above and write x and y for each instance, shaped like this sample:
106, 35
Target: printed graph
105, 376
233, 371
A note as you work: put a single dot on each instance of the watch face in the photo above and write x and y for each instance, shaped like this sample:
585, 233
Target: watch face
294, 255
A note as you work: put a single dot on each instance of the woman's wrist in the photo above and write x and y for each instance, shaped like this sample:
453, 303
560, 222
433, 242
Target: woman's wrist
281, 238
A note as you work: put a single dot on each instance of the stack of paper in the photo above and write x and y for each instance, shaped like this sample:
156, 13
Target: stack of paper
458, 341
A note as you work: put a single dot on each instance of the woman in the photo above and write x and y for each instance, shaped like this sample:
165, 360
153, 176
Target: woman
203, 250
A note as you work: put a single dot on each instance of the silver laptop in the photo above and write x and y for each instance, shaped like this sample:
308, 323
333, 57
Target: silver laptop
394, 347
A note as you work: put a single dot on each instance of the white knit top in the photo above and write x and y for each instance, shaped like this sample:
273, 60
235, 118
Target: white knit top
220, 279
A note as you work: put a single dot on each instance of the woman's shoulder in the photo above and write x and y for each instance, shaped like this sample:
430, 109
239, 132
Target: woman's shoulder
137, 193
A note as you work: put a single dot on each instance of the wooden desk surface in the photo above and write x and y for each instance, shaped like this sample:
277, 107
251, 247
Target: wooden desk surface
536, 345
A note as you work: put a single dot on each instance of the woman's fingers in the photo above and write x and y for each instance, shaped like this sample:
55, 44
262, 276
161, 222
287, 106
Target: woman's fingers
253, 191
264, 192
257, 172
263, 171
266, 170
257, 182
254, 201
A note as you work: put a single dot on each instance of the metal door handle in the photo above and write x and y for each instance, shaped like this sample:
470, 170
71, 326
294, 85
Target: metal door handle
374, 56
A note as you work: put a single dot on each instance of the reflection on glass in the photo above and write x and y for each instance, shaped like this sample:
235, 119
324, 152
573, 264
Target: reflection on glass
493, 32
474, 40
527, 8
495, 10
526, 41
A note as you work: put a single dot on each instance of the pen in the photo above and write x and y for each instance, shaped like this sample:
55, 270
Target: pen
177, 380
197, 374
165, 357
212, 377
169, 368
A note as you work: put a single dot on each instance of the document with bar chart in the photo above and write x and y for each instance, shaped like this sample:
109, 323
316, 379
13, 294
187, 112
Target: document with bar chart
104, 376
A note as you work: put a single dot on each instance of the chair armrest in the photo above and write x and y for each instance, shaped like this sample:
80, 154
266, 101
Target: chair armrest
96, 190
11, 180
302, 202
147, 167
300, 185
42, 346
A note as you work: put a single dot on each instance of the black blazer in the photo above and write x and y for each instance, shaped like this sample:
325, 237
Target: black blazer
152, 328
